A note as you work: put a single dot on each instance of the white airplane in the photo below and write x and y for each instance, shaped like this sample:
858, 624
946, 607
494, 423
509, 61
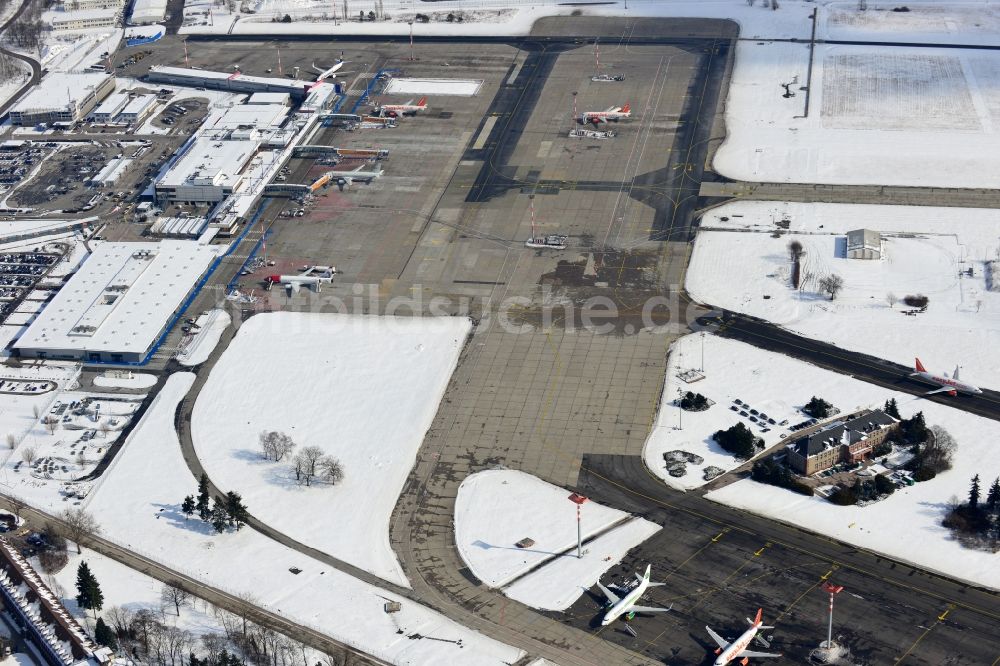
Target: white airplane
346, 178
611, 113
626, 605
950, 385
324, 74
405, 108
737, 649
310, 278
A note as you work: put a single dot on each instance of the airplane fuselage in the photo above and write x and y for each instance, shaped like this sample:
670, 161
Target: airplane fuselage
622, 605
737, 646
958, 386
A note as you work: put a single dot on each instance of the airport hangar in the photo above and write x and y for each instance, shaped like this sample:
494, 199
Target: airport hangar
120, 302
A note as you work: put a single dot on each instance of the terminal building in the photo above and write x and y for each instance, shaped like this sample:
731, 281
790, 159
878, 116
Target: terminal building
120, 302
62, 97
214, 164
85, 19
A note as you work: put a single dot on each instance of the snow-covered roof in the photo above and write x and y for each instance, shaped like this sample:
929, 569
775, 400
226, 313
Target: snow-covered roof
200, 76
863, 238
59, 90
120, 299
112, 104
139, 104
268, 98
210, 162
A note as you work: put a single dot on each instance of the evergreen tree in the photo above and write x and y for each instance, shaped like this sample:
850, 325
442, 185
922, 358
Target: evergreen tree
236, 509
104, 635
891, 408
915, 429
188, 506
193, 660
88, 590
974, 494
993, 496
219, 517
204, 500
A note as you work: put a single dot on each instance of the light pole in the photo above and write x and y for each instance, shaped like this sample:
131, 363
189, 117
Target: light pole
703, 351
832, 590
411, 40
579, 500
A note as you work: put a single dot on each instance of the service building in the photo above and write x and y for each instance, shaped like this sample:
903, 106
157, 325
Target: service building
115, 308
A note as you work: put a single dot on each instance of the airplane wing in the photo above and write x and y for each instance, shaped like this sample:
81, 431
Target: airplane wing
943, 389
757, 655
612, 597
598, 119
649, 609
720, 641
318, 69
613, 109
293, 287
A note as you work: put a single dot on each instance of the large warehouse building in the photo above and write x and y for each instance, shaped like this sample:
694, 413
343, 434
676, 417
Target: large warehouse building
115, 308
62, 97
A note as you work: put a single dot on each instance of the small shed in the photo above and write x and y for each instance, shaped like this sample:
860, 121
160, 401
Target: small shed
864, 244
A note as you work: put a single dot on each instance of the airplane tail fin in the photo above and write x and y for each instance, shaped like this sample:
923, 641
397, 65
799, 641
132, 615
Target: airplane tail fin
955, 374
756, 619
920, 366
627, 108
422, 101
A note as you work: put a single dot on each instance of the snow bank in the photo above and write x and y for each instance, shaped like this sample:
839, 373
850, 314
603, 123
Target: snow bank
456, 87
924, 250
138, 380
203, 343
495, 509
138, 505
907, 525
558, 584
364, 389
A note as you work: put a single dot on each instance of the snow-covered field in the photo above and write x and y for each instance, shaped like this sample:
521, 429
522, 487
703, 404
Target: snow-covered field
495, 509
906, 526
129, 589
137, 503
363, 389
18, 410
931, 22
924, 247
878, 115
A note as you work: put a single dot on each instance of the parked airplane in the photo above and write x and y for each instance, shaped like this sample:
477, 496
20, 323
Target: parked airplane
310, 278
737, 649
611, 113
324, 74
626, 605
346, 178
950, 385
406, 108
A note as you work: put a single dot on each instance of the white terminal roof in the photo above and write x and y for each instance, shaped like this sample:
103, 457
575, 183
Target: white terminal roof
210, 162
269, 98
112, 104
261, 116
194, 75
149, 9
139, 104
120, 299
58, 89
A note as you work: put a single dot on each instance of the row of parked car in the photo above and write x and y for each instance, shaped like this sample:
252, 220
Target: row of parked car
762, 420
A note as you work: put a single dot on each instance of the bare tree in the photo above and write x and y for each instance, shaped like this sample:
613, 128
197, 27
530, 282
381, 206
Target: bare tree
795, 250
104, 428
53, 560
28, 455
16, 505
51, 423
78, 524
891, 299
938, 449
11, 440
275, 445
832, 284
174, 595
35, 411
307, 463
120, 619
330, 470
